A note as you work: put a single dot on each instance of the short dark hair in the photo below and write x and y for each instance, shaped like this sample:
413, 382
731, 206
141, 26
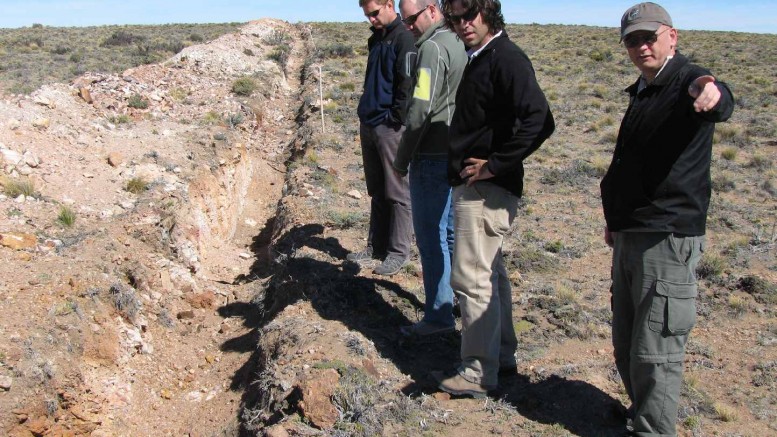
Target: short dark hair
491, 11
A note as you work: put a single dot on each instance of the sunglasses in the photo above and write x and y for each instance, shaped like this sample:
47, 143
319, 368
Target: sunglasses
373, 14
634, 41
411, 19
470, 15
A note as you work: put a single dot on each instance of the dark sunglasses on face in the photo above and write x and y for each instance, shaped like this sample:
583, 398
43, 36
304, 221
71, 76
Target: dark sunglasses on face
373, 14
633, 41
411, 19
470, 15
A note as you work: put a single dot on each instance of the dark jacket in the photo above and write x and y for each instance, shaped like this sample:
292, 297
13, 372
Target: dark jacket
387, 80
501, 115
659, 178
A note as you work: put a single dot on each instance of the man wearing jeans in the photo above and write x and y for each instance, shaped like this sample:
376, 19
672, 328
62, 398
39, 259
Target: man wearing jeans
424, 148
655, 197
382, 110
501, 117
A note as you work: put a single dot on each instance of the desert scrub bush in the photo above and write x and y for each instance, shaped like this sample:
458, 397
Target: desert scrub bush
355, 399
276, 37
60, 50
344, 220
347, 86
66, 217
609, 137
527, 259
18, 187
763, 291
722, 184
729, 133
565, 295
600, 55
338, 365
280, 54
729, 153
769, 187
120, 119
124, 300
692, 423
211, 118
759, 162
245, 86
337, 50
725, 413
710, 266
765, 374
178, 94
122, 38
136, 185
136, 101
233, 120
737, 305
554, 246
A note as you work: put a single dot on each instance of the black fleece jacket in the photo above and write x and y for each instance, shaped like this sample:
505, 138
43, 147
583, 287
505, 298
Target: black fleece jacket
501, 115
659, 178
387, 81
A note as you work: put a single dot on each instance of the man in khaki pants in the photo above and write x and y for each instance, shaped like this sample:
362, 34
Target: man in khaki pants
655, 196
501, 117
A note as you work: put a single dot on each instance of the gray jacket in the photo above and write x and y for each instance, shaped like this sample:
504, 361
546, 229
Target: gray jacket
440, 65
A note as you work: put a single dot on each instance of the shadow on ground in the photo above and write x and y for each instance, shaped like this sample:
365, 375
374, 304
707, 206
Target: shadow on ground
374, 307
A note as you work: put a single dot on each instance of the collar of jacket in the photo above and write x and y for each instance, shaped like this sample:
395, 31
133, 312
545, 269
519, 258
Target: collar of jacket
430, 32
672, 67
397, 22
490, 45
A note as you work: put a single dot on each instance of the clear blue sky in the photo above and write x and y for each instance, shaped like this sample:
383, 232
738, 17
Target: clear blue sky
744, 16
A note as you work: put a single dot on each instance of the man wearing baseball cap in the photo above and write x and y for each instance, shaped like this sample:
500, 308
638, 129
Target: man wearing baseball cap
655, 197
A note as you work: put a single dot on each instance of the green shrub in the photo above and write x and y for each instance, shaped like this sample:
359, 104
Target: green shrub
211, 118
345, 220
722, 184
280, 54
136, 185
599, 55
337, 50
60, 50
245, 86
120, 119
122, 38
137, 101
276, 37
234, 119
710, 266
66, 217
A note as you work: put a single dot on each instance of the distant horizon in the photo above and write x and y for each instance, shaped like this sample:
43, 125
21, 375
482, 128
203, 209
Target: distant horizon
751, 16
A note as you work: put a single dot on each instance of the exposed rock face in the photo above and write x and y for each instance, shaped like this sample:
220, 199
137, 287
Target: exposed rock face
316, 403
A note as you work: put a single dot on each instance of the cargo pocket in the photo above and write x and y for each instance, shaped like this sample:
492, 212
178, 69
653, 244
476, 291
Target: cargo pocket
673, 311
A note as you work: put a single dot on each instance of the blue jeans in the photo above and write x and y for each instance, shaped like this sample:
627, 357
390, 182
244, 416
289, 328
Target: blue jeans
430, 197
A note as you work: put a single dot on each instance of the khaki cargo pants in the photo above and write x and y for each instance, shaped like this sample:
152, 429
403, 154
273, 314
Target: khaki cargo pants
483, 213
654, 308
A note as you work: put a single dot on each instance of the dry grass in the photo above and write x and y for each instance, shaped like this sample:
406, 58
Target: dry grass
33, 56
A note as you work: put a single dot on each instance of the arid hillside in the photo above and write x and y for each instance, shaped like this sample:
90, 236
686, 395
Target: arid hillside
173, 242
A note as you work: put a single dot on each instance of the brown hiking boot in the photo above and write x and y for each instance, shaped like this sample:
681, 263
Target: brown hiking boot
457, 385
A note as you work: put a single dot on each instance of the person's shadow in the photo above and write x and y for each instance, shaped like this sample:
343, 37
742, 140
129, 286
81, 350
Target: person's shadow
337, 292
